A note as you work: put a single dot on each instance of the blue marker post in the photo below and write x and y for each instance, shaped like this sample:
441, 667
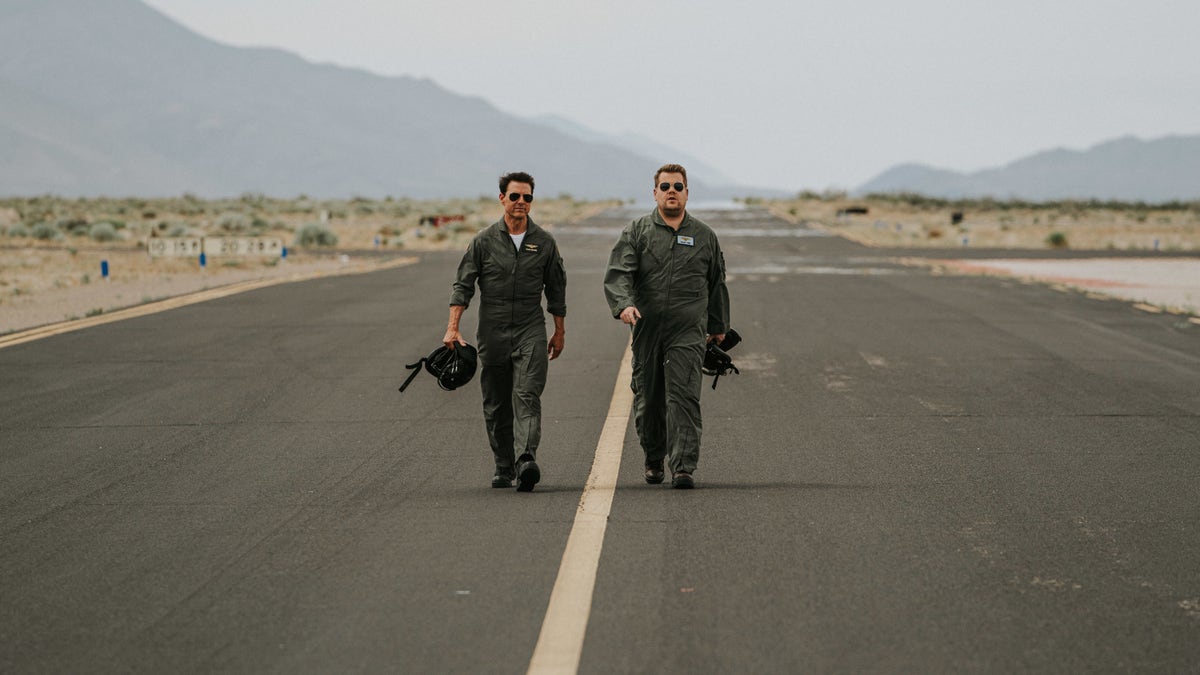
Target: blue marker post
104, 269
203, 261
283, 253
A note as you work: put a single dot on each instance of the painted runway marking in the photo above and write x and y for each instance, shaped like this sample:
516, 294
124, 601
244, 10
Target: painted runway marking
560, 643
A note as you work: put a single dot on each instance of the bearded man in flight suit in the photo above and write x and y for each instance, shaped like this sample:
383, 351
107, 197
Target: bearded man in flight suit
666, 279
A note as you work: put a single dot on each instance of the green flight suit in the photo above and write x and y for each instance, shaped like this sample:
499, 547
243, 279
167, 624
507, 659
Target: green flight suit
676, 279
512, 330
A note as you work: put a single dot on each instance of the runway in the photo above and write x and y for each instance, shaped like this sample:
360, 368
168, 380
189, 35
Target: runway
913, 472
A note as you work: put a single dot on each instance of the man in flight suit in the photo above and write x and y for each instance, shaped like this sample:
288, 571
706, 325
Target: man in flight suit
666, 279
514, 261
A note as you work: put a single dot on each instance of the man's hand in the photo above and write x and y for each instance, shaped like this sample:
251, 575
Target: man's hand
630, 315
718, 338
453, 338
556, 344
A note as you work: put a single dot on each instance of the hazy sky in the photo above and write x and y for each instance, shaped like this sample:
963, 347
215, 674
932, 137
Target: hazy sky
782, 93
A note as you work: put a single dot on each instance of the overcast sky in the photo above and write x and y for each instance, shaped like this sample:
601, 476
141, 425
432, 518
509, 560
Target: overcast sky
792, 94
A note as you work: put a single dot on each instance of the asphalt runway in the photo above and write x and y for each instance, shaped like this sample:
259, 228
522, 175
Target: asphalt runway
912, 473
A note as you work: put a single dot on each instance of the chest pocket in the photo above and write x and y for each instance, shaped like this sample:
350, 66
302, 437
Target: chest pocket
531, 267
659, 248
495, 271
690, 271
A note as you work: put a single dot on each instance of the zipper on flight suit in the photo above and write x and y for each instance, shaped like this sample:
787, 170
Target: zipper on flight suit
512, 305
671, 258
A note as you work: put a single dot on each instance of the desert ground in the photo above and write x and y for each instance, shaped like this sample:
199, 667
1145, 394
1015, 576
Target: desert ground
53, 251
1147, 254
916, 222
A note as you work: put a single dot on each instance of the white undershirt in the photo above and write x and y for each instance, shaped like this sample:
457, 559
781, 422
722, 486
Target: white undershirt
518, 238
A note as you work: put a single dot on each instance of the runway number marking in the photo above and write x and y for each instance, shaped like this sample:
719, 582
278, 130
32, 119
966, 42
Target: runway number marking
560, 643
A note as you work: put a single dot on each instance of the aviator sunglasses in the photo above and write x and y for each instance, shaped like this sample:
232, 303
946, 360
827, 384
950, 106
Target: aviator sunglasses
517, 196
663, 187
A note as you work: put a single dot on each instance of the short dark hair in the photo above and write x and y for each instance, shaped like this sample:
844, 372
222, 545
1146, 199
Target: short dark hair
669, 168
515, 177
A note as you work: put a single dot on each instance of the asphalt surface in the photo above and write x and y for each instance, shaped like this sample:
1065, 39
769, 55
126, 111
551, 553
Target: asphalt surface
912, 473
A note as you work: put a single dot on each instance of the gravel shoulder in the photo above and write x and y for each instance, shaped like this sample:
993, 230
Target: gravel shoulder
62, 302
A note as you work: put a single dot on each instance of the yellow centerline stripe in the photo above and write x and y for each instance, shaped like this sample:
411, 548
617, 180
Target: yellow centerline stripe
560, 643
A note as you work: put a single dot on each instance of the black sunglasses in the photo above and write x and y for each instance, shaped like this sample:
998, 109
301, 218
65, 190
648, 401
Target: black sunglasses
667, 186
516, 196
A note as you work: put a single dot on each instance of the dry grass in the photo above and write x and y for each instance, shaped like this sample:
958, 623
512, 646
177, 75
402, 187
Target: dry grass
928, 224
32, 269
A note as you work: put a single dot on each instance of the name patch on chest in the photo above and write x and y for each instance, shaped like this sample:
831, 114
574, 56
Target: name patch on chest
685, 241
532, 248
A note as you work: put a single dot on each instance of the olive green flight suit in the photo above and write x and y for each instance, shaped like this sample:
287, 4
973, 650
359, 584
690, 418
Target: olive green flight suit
676, 279
512, 330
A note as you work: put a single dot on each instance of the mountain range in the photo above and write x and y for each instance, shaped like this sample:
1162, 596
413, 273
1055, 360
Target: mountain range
115, 98
1126, 169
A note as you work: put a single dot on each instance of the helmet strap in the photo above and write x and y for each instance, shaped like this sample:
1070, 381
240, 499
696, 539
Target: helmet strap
415, 368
